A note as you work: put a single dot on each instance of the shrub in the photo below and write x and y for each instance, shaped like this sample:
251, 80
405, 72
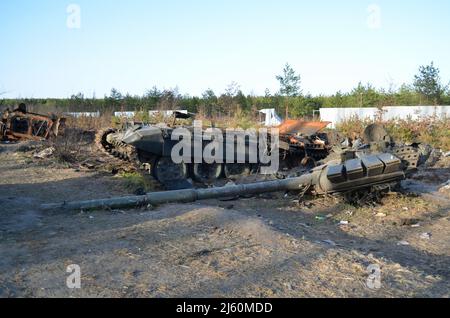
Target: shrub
430, 130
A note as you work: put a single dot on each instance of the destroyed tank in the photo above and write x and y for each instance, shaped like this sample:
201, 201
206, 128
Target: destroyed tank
358, 180
150, 147
360, 175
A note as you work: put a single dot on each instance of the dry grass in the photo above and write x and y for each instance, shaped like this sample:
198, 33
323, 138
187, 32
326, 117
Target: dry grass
91, 123
108, 120
240, 120
430, 130
134, 182
69, 146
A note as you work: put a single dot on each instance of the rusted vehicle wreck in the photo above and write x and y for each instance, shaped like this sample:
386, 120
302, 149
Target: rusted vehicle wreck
20, 125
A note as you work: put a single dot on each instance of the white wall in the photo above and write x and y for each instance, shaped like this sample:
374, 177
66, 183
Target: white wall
167, 113
86, 114
125, 114
338, 115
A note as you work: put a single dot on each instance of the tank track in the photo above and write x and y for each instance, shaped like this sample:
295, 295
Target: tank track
142, 162
120, 151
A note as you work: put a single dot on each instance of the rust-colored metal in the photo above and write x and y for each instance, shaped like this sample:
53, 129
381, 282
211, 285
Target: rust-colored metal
22, 125
305, 128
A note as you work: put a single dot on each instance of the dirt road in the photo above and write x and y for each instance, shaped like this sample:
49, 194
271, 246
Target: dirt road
266, 246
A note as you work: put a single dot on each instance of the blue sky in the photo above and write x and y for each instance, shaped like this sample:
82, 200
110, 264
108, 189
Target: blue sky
198, 44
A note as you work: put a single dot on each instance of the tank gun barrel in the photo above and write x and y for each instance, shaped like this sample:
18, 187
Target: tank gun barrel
184, 196
353, 175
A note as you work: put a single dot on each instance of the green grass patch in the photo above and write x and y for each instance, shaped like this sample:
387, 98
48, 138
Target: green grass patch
134, 181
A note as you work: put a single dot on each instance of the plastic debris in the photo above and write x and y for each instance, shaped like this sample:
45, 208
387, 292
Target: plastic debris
425, 236
330, 242
46, 153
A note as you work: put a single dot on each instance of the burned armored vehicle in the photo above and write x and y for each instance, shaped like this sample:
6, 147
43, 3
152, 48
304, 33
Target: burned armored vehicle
239, 153
357, 179
360, 173
23, 125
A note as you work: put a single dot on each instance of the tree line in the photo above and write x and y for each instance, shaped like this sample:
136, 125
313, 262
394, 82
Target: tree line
290, 101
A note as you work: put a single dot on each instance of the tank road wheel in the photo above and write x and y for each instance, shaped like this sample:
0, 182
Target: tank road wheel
207, 173
166, 171
237, 169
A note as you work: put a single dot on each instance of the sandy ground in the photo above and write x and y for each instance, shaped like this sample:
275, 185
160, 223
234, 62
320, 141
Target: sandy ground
266, 246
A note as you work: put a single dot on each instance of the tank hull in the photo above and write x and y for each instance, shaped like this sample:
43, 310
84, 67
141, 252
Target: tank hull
151, 145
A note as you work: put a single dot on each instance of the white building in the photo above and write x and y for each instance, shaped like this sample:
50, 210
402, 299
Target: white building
339, 115
269, 118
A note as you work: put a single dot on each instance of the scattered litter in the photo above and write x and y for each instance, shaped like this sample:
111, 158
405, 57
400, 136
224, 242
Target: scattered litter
307, 205
447, 154
415, 225
329, 216
320, 218
409, 222
425, 236
381, 215
344, 223
184, 266
445, 187
330, 242
405, 209
403, 243
87, 165
46, 153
